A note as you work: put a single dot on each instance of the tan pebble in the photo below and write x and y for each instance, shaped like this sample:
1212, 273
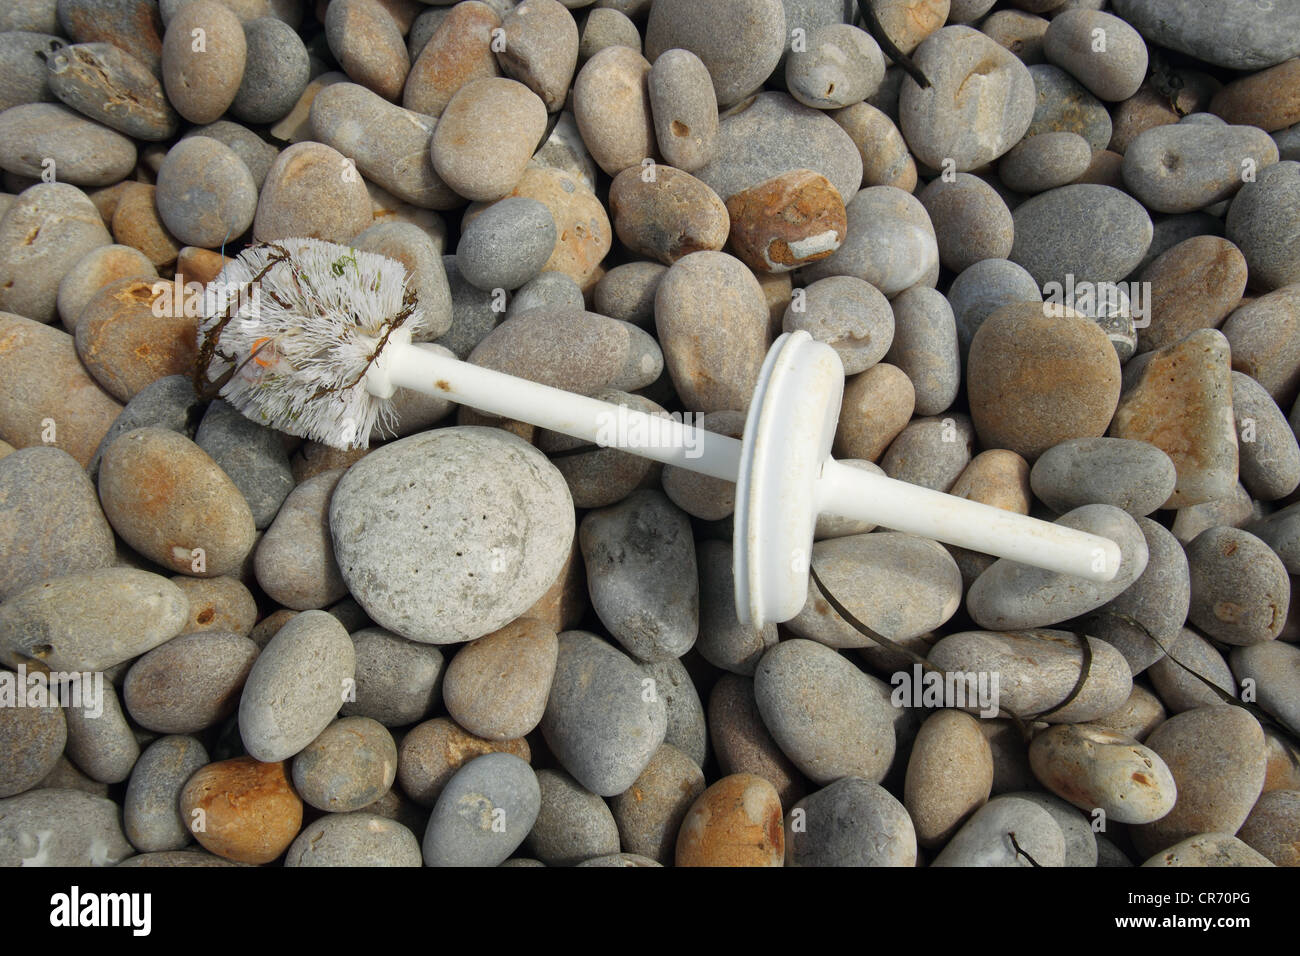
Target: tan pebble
736, 822
877, 405
249, 810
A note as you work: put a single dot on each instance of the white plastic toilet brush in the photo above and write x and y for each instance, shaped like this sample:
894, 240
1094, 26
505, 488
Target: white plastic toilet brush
313, 338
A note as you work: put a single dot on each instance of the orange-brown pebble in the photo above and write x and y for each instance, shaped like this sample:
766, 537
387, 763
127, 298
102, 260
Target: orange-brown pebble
787, 221
199, 265
242, 809
136, 223
433, 751
736, 822
584, 235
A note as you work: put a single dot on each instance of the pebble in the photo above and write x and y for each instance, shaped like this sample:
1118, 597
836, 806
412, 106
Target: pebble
828, 717
600, 476
1266, 99
242, 809
683, 107
205, 194
970, 219
1278, 530
167, 402
1261, 221
1180, 401
839, 66
90, 620
397, 681
1018, 31
686, 728
1239, 34
412, 246
738, 59
1240, 588
1265, 338
947, 128
1135, 476
202, 78
130, 334
1269, 457
1183, 167
461, 593
611, 103
551, 289
743, 743
890, 243
1044, 161
485, 812
83, 152
112, 87
507, 244
296, 686
770, 134
1093, 233
1195, 284
100, 742
572, 823
348, 767
390, 145
431, 753
277, 70
982, 289
46, 488
172, 503
599, 721
368, 44
1180, 690
640, 561
1116, 70
33, 739
851, 822
496, 687
649, 813
456, 53
1216, 756
190, 683
22, 55
1080, 841
886, 160
312, 191
541, 49
1274, 667
1072, 394
96, 269
949, 775
735, 822
985, 839
848, 314
876, 407
354, 839
1234, 509
627, 292
151, 809
1209, 849
486, 135
722, 640
1098, 769
786, 222
712, 321
1271, 827
931, 452
1039, 670
664, 213
604, 27
252, 455
294, 561
1141, 714
585, 235
59, 827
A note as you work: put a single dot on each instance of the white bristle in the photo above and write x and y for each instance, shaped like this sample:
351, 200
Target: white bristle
301, 337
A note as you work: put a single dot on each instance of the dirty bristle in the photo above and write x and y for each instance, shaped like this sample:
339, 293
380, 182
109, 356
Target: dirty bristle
290, 329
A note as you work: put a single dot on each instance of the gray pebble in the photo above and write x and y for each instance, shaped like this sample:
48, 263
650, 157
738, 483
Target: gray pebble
831, 719
1080, 842
606, 26
252, 455
739, 59
1209, 849
1064, 105
573, 824
296, 686
971, 221
257, 154
1095, 233
703, 496
982, 289
598, 721
840, 65
151, 814
354, 839
848, 314
931, 452
276, 71
1018, 31
1275, 669
1114, 72
475, 312
1180, 690
686, 726
1263, 221
1183, 167
60, 828
1239, 34
167, 402
397, 681
890, 242
1268, 455
627, 292
553, 290
294, 561
1233, 510
1280, 531
84, 153
110, 86
1045, 161
722, 641
985, 839
100, 741
31, 741
190, 683
1240, 588
540, 42
349, 766
684, 108
925, 347
484, 813
1133, 475
206, 196
507, 244
23, 74
600, 476
852, 822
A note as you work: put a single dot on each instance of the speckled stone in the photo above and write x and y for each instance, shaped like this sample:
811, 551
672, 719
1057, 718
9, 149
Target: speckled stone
1240, 588
59, 827
1209, 849
890, 242
1135, 476
252, 455
982, 289
131, 334
684, 108
1092, 768
1266, 99
458, 52
886, 160
96, 269
486, 135
850, 823
541, 48
33, 738
931, 451
742, 741
665, 213
294, 560
1108, 234
83, 152
1045, 161
735, 822
1239, 34
585, 234
877, 405
971, 221
738, 60
606, 26
1182, 167
397, 681
949, 775
1262, 220
850, 315
496, 687
277, 69
702, 496
985, 840
838, 66
100, 741
151, 810
1269, 457
1271, 827
507, 244
1114, 72
484, 814
722, 640
1177, 677
205, 193
1195, 284
217, 604
312, 191
432, 752
242, 809
109, 85
1265, 338
190, 683
354, 839
649, 813
368, 44
202, 78
572, 825
349, 766
611, 103
1018, 31
257, 154
22, 58
551, 289
412, 246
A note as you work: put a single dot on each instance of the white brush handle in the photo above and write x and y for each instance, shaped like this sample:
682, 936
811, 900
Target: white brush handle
841, 490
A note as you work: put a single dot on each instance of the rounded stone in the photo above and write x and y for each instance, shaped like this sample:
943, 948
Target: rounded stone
1186, 676
600, 476
968, 127
931, 452
83, 152
985, 840
354, 839
312, 192
572, 823
397, 681
735, 822
96, 269
541, 49
982, 289
627, 292
496, 687
551, 289
296, 686
60, 827
1182, 167
205, 193
1262, 220
877, 405
683, 106
507, 244
742, 742
109, 85
722, 641
839, 66
886, 159
1267, 99
1135, 476
1194, 285
949, 775
1045, 161
848, 314
174, 504
257, 154
31, 741
189, 684
649, 813
151, 810
1271, 828
1209, 849
1116, 70
665, 213
202, 70
851, 822
431, 753
738, 59
458, 51
786, 222
606, 26
1071, 392
463, 594
277, 69
349, 766
1273, 666
829, 718
925, 348
368, 44
294, 561
415, 249
23, 59
249, 810
1094, 768
132, 332
1094, 233
1268, 454
486, 135
971, 221
890, 242
585, 234
483, 814
611, 103
1240, 588
1264, 336
1239, 34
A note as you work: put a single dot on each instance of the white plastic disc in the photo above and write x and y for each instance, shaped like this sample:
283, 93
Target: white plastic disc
788, 436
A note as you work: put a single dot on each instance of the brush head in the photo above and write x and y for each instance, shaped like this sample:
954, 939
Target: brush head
291, 328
